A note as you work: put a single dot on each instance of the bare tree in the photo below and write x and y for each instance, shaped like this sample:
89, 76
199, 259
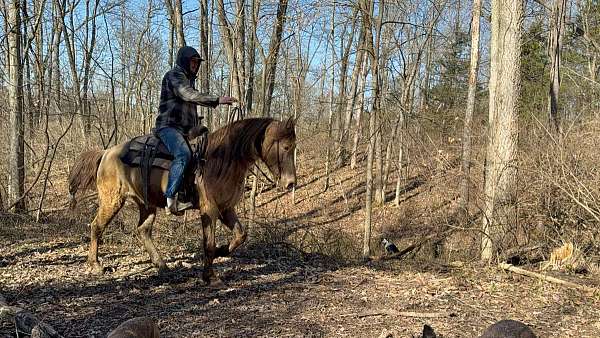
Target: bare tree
175, 12
331, 97
466, 145
252, 55
360, 106
351, 103
271, 63
233, 36
504, 84
372, 38
557, 23
90, 43
15, 102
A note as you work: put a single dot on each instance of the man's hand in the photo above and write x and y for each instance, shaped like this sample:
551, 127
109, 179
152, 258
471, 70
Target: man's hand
227, 100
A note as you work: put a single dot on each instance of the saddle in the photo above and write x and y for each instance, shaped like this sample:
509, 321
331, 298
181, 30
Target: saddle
148, 151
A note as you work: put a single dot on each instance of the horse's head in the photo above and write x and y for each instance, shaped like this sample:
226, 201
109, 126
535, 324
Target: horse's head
278, 152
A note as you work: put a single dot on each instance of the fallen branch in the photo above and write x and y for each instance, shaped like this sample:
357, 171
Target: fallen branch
510, 267
399, 314
414, 246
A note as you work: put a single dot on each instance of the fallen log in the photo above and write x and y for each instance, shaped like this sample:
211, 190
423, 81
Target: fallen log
509, 267
399, 314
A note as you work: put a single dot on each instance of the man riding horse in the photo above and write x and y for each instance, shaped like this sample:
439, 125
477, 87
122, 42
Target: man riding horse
177, 115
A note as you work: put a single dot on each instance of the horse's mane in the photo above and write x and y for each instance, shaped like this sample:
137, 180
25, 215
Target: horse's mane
235, 142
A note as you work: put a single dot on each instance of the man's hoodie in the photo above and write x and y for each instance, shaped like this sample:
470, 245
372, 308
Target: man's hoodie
179, 98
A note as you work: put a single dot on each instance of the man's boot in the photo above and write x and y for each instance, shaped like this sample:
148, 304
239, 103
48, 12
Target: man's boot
176, 208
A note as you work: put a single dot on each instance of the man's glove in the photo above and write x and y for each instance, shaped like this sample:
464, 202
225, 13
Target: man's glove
227, 100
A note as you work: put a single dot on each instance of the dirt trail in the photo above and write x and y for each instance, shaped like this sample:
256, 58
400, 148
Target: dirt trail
277, 291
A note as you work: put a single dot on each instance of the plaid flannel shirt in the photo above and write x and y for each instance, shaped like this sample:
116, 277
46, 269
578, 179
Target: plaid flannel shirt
178, 101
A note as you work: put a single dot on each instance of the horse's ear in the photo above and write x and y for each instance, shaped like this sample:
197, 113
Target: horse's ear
290, 123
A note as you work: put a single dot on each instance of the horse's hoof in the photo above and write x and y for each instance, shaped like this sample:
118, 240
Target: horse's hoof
212, 280
222, 251
217, 282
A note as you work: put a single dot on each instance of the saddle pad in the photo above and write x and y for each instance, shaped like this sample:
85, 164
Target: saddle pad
134, 152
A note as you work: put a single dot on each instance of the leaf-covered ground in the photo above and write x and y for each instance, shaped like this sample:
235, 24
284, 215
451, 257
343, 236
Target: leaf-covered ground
299, 274
273, 291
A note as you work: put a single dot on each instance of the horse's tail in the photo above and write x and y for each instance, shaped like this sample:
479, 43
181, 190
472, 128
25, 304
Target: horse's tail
83, 174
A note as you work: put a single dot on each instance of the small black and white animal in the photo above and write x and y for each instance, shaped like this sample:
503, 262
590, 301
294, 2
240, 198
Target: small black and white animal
390, 248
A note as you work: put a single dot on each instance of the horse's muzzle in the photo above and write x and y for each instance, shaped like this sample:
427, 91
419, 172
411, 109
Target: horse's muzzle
288, 182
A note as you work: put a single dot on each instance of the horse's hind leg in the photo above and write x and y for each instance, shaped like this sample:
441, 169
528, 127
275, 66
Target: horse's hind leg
107, 210
147, 216
231, 221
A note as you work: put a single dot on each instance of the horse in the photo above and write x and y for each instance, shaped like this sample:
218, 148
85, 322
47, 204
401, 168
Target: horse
230, 153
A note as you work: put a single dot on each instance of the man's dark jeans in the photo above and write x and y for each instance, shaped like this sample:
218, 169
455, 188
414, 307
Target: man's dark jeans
178, 147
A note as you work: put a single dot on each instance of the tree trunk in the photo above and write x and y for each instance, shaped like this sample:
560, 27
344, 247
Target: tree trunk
342, 153
271, 64
557, 24
25, 59
501, 169
40, 66
330, 117
90, 44
233, 47
252, 56
343, 62
371, 46
16, 187
369, 187
466, 145
204, 51
375, 68
176, 17
55, 72
360, 106
171, 44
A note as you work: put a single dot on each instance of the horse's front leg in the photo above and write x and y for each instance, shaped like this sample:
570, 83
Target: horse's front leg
208, 239
231, 221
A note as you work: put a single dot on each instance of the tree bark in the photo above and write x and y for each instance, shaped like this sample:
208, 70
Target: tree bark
15, 102
252, 56
234, 46
360, 107
55, 72
90, 43
467, 133
342, 153
271, 64
174, 9
501, 169
368, 8
331, 100
557, 23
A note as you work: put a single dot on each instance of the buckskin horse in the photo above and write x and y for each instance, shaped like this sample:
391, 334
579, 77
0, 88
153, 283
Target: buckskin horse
230, 153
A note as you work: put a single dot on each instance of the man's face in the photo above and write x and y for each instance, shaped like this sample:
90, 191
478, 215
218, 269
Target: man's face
194, 65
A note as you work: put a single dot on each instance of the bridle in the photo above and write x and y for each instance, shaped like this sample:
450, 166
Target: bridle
279, 170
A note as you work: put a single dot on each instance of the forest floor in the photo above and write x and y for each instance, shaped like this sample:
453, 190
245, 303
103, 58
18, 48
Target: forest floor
298, 274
